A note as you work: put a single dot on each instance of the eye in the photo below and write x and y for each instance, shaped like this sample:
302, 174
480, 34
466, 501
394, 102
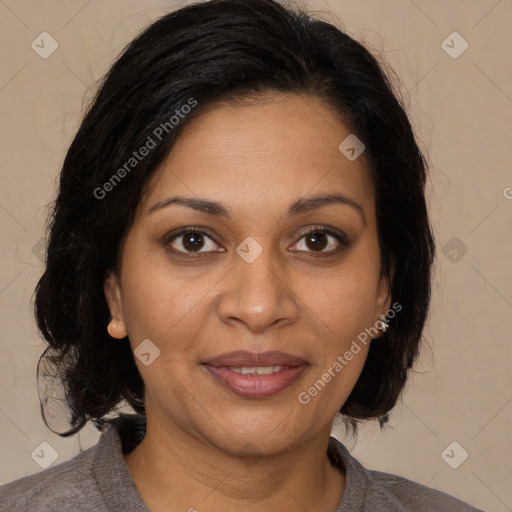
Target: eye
190, 240
317, 239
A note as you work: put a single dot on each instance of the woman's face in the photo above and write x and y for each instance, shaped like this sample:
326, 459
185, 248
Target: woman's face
252, 280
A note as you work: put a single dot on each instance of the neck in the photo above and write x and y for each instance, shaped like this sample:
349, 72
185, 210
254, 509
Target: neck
174, 470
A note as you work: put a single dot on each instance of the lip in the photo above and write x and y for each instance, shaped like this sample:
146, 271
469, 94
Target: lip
254, 385
253, 359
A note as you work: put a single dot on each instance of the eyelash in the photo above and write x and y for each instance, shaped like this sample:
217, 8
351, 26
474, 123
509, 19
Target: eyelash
338, 235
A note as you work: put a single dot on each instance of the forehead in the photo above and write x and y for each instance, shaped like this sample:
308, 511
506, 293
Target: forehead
258, 153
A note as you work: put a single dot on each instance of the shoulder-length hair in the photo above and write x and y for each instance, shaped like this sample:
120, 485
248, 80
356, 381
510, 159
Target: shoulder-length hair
221, 50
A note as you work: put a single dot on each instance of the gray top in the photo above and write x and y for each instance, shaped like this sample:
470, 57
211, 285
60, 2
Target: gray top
98, 480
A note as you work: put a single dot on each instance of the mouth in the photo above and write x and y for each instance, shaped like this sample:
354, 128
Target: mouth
255, 375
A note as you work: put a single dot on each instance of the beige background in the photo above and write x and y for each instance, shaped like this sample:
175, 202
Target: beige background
462, 112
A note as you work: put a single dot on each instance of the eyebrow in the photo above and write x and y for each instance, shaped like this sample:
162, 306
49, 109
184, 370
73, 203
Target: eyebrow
300, 206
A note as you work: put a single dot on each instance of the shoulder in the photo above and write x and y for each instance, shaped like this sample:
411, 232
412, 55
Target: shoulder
68, 486
375, 491
88, 481
388, 490
50, 489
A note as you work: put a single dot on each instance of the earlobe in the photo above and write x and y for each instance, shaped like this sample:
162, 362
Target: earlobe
116, 330
111, 288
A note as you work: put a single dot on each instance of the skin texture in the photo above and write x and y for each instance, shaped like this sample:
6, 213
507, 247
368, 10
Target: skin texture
207, 448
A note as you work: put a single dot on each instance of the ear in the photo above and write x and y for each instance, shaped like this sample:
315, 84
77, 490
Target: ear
384, 295
111, 287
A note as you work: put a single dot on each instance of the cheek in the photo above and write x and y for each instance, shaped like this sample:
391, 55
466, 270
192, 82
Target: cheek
343, 300
161, 305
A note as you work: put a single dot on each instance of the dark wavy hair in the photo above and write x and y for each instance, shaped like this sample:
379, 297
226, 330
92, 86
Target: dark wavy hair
221, 50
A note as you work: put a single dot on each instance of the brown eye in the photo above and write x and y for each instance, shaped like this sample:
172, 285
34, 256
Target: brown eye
189, 241
317, 240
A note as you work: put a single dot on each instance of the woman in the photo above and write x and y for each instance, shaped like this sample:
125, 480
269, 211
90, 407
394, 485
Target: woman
240, 249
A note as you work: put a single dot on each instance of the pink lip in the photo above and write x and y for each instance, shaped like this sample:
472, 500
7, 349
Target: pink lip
254, 385
240, 358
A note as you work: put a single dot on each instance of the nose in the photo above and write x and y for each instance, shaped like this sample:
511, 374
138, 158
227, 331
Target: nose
259, 294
